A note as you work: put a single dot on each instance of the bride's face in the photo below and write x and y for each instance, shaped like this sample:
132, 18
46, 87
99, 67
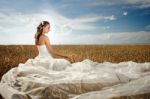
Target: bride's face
46, 28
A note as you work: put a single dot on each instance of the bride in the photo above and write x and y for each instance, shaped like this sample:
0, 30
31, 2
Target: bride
42, 40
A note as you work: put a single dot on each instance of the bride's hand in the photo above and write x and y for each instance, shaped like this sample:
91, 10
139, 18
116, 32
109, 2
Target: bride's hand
70, 58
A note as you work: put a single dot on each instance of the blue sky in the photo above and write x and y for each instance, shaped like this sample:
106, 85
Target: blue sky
76, 21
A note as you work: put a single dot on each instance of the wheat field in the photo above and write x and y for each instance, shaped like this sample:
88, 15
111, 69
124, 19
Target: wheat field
12, 55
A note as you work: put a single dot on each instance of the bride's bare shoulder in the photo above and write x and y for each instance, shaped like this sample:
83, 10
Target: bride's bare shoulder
43, 37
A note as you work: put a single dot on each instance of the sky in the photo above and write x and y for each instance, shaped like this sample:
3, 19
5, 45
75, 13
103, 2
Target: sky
76, 21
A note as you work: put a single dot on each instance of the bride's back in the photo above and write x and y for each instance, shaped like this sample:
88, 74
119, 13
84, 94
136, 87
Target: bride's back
42, 47
41, 40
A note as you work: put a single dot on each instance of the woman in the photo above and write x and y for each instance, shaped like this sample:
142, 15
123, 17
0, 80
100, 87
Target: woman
42, 39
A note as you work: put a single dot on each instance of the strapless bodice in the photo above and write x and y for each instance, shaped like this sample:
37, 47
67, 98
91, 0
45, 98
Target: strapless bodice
43, 52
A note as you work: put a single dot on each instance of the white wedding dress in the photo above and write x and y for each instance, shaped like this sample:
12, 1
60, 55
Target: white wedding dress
45, 77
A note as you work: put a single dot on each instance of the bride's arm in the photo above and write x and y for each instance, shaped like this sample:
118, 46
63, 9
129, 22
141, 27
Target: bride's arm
51, 50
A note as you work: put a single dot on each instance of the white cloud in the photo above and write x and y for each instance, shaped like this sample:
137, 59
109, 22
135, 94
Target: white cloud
84, 22
2, 29
143, 6
116, 38
93, 18
19, 28
23, 25
147, 27
112, 17
134, 3
125, 13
